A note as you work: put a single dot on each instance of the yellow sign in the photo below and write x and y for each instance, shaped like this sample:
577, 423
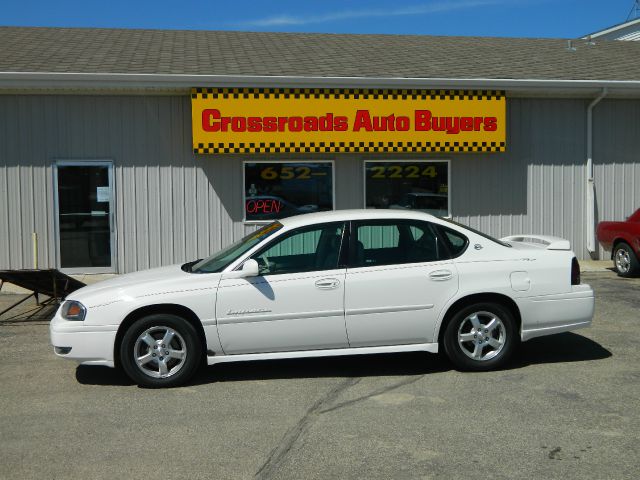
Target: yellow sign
334, 120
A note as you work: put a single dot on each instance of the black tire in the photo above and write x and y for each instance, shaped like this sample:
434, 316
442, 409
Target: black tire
490, 355
183, 342
625, 261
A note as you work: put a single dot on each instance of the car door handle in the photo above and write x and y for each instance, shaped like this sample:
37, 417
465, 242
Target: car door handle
327, 283
440, 275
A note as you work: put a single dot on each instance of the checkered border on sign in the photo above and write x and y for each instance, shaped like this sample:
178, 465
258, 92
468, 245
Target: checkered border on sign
346, 147
342, 93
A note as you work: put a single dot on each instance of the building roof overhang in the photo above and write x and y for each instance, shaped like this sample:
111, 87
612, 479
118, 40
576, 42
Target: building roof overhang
117, 83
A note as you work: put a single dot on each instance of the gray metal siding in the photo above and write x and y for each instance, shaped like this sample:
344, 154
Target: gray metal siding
172, 206
538, 185
616, 160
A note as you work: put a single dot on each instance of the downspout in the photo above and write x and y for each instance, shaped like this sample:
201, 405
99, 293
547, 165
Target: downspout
591, 197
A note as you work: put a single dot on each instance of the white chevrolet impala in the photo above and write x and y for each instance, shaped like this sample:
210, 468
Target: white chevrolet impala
324, 284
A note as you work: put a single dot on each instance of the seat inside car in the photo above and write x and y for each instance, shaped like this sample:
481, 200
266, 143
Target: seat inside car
327, 255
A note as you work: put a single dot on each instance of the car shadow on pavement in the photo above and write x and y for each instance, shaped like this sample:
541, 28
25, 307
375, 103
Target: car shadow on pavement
94, 375
414, 363
559, 348
379, 365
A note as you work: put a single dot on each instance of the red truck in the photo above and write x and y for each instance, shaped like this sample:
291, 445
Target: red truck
623, 240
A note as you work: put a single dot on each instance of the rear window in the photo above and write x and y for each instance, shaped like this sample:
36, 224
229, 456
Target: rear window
477, 232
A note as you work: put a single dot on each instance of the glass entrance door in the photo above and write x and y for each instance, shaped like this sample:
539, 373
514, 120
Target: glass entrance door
84, 196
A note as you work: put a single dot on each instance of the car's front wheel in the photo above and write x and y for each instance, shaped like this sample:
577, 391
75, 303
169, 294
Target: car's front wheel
625, 261
160, 350
480, 337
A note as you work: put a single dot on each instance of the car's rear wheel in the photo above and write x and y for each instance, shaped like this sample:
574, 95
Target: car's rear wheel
625, 261
480, 337
160, 350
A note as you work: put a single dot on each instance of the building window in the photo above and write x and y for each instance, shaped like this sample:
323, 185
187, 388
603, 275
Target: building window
414, 185
274, 190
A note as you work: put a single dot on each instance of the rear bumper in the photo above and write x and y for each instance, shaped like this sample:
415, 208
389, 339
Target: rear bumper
563, 312
88, 345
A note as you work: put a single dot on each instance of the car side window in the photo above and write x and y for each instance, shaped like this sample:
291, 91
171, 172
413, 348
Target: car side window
303, 250
455, 242
392, 242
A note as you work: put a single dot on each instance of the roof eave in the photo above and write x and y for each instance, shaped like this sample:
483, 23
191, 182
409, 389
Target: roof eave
611, 29
141, 81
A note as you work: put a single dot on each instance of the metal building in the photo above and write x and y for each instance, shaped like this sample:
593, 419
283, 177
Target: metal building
100, 170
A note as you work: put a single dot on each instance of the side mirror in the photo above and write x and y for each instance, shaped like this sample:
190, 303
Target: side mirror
250, 268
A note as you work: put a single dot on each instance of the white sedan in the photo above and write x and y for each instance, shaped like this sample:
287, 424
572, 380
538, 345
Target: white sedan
325, 284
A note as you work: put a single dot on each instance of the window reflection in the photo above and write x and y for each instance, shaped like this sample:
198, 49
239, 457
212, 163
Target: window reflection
276, 190
420, 186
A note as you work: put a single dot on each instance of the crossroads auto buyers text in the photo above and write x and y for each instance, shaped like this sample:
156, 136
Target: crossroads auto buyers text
423, 121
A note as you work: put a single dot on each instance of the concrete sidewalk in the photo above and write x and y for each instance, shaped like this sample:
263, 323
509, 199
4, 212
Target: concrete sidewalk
595, 265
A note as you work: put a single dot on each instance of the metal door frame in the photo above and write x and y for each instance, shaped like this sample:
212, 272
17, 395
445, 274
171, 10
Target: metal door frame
112, 219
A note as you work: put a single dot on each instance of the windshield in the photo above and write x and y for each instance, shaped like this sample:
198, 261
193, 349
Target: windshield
220, 260
488, 237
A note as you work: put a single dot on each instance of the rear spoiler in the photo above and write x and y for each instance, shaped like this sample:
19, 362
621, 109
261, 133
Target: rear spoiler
551, 243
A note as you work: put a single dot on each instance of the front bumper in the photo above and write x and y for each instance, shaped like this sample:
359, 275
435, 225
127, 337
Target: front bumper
85, 344
548, 314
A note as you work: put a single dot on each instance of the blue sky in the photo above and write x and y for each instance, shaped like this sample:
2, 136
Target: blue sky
505, 18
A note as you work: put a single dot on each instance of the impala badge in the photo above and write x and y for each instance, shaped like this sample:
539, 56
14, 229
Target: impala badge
247, 311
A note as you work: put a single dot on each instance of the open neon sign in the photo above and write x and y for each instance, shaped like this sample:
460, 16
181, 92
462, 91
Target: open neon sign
263, 206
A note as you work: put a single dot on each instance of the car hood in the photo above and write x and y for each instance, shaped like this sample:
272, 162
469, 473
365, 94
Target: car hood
147, 282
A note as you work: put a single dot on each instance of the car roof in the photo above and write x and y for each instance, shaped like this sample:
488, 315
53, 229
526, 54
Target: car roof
359, 214
425, 194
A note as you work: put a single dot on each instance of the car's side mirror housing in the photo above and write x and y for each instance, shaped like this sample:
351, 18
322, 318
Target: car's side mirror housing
249, 269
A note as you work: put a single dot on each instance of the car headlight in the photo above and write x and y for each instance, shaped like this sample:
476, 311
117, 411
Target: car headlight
72, 310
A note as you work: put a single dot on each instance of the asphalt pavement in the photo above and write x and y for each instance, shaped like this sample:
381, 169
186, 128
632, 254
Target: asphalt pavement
567, 407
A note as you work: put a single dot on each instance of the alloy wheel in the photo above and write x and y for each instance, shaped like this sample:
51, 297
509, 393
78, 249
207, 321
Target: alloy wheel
160, 352
623, 260
482, 336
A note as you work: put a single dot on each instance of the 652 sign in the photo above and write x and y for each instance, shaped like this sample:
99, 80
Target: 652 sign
290, 173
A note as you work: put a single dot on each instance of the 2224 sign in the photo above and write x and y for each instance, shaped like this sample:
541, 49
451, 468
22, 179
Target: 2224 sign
331, 120
408, 171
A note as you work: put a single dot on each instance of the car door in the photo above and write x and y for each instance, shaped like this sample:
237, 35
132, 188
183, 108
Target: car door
296, 303
398, 280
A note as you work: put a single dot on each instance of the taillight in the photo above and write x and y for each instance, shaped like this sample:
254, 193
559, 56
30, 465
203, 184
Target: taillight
575, 272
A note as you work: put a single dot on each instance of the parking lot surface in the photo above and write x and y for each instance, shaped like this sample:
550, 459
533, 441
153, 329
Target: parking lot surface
568, 406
